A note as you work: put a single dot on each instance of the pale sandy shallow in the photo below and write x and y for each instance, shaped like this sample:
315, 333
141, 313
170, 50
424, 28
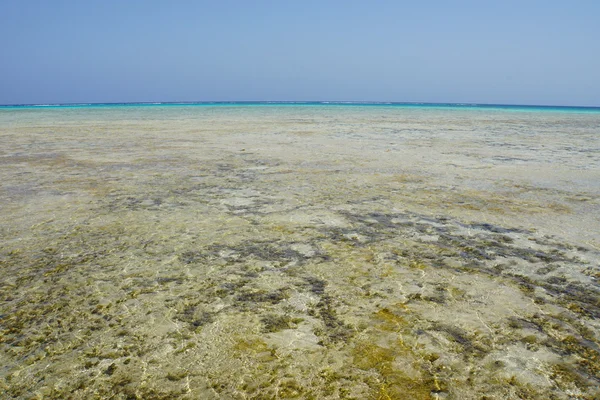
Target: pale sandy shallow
299, 252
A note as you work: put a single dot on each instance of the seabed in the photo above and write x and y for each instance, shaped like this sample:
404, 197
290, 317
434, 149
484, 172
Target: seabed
299, 252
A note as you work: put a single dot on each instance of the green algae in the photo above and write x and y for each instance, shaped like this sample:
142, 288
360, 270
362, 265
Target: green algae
276, 323
251, 297
391, 383
334, 329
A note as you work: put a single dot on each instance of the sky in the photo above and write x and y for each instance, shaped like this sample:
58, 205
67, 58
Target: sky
497, 52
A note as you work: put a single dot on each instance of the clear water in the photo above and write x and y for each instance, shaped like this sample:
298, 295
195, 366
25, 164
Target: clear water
299, 251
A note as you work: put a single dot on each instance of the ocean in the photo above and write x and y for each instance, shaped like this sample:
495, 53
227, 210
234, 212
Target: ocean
299, 250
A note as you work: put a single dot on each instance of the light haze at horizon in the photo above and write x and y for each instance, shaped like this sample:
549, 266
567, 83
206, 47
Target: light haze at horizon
529, 52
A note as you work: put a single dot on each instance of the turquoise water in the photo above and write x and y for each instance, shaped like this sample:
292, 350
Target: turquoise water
459, 106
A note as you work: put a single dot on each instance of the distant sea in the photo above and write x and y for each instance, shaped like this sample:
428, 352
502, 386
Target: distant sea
462, 106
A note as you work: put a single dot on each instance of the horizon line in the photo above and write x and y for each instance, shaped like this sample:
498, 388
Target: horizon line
323, 102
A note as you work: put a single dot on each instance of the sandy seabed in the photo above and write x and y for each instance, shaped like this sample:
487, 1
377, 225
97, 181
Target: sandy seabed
299, 252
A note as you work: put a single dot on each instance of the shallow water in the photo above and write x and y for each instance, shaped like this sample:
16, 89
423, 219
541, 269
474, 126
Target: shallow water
299, 252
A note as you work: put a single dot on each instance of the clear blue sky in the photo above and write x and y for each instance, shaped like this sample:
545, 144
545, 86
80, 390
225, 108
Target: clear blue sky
517, 52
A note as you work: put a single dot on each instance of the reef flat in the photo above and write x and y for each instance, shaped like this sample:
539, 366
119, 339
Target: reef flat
299, 252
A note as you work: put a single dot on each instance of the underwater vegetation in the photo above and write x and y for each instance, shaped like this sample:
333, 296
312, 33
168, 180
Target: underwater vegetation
147, 262
373, 310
